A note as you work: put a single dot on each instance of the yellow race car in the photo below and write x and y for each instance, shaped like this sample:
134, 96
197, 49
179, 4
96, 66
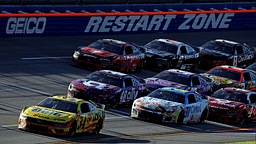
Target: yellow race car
60, 115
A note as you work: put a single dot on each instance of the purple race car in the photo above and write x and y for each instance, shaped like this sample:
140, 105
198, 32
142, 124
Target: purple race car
181, 80
108, 87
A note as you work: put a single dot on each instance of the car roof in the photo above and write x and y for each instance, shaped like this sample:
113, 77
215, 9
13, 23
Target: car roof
172, 42
113, 73
237, 90
181, 72
232, 68
65, 98
118, 42
175, 90
226, 42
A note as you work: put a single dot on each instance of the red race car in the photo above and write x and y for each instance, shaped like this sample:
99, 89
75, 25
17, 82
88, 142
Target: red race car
232, 105
230, 76
109, 54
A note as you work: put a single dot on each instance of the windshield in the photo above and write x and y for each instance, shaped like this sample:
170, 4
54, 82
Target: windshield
165, 75
162, 46
230, 95
110, 47
252, 67
222, 47
59, 105
226, 73
168, 95
107, 79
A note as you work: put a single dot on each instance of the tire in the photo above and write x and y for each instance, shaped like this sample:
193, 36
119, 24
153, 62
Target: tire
115, 102
98, 127
180, 118
72, 129
203, 116
117, 66
242, 118
139, 67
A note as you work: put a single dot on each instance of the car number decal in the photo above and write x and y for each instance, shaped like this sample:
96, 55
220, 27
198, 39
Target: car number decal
128, 95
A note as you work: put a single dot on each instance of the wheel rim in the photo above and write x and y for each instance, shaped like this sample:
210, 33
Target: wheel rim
72, 130
242, 119
115, 103
98, 127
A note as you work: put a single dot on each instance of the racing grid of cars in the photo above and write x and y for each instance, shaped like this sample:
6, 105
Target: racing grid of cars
175, 95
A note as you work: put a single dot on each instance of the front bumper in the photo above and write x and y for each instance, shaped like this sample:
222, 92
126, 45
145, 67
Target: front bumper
42, 128
91, 96
154, 116
221, 115
91, 65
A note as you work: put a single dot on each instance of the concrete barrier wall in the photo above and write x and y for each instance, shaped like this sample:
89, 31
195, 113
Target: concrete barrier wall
150, 20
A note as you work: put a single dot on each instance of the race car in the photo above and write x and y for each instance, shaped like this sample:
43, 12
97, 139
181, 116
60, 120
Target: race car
109, 54
108, 87
223, 52
170, 105
233, 105
180, 79
252, 67
230, 76
162, 54
60, 115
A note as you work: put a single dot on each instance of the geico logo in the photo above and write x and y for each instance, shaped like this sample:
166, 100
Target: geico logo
157, 22
24, 25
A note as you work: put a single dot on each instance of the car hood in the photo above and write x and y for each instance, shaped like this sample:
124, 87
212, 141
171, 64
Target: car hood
213, 55
49, 114
224, 104
96, 52
156, 104
155, 83
220, 80
158, 53
93, 86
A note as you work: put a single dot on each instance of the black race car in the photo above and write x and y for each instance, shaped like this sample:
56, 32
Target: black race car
223, 52
162, 54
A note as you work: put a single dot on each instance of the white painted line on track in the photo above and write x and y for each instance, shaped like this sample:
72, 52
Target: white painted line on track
221, 124
25, 88
41, 58
5, 126
120, 112
6, 90
191, 127
117, 117
107, 118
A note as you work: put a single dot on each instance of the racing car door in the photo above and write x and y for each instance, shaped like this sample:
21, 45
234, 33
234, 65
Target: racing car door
85, 119
242, 56
193, 108
200, 85
130, 90
249, 80
251, 106
130, 58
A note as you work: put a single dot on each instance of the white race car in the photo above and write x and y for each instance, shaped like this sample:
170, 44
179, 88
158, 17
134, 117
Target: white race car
170, 105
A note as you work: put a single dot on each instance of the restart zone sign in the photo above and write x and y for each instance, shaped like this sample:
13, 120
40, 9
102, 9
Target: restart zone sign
116, 23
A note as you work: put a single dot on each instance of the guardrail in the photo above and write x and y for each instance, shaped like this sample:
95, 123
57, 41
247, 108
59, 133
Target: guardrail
116, 19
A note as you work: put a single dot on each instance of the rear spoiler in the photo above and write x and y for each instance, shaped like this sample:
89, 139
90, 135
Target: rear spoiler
142, 48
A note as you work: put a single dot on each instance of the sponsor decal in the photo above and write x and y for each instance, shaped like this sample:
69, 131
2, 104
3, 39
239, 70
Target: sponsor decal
157, 22
192, 109
26, 25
